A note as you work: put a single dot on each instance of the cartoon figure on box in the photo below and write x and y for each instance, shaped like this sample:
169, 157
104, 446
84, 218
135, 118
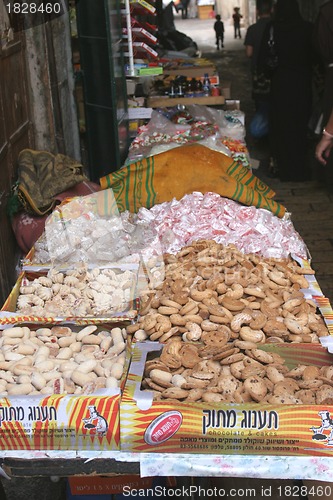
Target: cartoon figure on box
96, 422
326, 425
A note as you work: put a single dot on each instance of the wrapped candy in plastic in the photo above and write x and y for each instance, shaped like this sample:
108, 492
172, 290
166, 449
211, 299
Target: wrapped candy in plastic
210, 216
169, 226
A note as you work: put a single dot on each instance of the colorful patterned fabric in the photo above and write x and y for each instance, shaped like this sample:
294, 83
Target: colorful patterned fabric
184, 170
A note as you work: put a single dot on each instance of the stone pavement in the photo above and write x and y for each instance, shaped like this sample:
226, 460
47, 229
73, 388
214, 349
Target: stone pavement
310, 203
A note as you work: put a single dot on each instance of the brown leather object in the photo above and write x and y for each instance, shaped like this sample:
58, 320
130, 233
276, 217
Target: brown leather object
28, 228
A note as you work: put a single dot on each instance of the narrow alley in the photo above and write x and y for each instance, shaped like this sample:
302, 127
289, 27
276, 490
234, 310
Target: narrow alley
309, 203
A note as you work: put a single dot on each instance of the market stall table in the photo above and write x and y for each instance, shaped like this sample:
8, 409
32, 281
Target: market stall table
194, 67
162, 102
47, 463
64, 464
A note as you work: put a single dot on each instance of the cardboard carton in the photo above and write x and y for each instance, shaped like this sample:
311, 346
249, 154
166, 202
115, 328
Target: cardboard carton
9, 314
63, 421
241, 429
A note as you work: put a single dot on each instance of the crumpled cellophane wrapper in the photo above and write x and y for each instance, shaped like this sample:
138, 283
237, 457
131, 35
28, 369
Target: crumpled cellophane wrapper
90, 230
210, 216
167, 129
87, 229
97, 238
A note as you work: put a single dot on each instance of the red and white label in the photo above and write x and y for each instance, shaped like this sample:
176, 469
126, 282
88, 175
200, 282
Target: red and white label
163, 427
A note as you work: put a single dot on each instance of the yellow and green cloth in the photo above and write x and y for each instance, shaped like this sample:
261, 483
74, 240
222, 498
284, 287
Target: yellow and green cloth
183, 170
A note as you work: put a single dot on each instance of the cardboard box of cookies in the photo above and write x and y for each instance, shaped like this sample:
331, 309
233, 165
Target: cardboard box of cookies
239, 399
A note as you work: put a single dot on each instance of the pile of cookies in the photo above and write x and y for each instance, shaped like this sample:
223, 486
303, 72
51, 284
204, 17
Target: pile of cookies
237, 372
219, 293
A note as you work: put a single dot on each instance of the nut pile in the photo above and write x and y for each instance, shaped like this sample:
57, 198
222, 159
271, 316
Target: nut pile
59, 360
237, 373
76, 293
217, 294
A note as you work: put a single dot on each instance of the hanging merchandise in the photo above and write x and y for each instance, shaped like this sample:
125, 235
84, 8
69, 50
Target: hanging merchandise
140, 41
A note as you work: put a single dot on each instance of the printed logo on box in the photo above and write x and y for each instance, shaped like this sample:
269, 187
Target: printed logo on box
163, 427
96, 422
319, 433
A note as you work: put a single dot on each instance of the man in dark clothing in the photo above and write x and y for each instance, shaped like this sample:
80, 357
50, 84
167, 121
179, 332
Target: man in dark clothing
291, 90
184, 4
252, 42
260, 83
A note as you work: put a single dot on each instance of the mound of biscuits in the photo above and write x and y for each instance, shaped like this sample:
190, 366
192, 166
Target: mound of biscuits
239, 372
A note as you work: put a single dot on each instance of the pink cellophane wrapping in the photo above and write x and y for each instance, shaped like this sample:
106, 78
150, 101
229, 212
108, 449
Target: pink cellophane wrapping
197, 216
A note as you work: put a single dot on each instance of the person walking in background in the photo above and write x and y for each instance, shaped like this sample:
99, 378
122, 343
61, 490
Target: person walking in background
236, 17
219, 31
184, 4
323, 41
291, 89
